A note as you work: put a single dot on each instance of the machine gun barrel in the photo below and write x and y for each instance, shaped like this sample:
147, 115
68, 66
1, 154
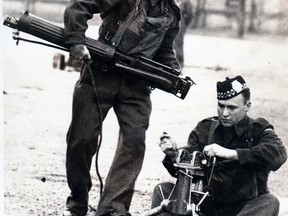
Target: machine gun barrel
54, 34
159, 75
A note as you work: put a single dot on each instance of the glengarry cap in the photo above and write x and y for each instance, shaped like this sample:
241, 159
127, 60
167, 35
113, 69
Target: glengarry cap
231, 87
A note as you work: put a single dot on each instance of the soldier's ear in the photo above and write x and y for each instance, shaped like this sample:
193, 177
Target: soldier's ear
248, 106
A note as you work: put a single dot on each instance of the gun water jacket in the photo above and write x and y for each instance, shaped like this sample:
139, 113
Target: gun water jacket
150, 33
259, 150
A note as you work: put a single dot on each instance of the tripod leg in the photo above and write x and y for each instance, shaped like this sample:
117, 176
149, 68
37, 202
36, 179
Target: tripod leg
157, 210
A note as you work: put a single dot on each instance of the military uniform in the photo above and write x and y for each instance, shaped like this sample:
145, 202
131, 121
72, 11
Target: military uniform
150, 33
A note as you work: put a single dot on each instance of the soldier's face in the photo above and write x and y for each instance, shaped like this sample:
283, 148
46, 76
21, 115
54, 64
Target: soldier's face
233, 110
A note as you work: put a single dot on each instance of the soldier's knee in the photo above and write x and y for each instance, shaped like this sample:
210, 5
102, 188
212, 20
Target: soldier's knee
271, 201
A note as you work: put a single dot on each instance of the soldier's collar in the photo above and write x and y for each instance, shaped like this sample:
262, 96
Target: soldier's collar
240, 127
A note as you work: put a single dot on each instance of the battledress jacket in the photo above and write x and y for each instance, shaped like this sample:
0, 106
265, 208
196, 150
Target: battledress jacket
151, 34
259, 150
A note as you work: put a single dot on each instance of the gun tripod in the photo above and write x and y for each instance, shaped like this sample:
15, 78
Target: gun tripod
189, 191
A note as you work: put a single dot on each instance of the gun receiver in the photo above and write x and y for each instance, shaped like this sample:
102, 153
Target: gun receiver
159, 75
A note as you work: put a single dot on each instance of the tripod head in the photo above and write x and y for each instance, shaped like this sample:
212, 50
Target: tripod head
194, 173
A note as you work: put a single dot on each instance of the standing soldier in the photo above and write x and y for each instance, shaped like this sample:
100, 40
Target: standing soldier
144, 28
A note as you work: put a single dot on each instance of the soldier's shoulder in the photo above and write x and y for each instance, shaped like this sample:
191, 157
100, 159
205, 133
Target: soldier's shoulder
208, 121
261, 123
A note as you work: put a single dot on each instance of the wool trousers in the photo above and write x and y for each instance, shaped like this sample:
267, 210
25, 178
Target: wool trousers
95, 93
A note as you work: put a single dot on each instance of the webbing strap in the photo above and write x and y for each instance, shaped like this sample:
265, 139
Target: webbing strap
211, 132
250, 139
123, 26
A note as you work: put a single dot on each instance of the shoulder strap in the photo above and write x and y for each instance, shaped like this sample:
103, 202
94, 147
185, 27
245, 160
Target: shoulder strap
211, 132
122, 28
249, 139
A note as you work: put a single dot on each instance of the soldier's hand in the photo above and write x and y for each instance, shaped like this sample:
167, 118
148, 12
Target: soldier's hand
168, 146
219, 151
79, 52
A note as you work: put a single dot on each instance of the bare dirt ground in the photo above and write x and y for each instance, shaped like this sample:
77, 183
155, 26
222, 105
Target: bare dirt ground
37, 112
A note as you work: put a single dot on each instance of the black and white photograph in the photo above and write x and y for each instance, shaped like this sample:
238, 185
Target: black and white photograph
144, 108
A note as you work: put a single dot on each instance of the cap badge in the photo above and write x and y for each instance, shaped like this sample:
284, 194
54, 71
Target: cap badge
237, 86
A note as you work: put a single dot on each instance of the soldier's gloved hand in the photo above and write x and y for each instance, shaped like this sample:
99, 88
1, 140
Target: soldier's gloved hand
79, 52
168, 146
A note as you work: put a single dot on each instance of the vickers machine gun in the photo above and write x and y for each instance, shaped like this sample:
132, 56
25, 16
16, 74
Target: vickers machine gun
189, 192
159, 75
